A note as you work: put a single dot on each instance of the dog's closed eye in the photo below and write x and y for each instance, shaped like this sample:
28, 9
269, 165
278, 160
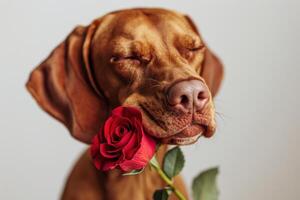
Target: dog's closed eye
133, 58
128, 66
200, 47
190, 52
189, 45
115, 59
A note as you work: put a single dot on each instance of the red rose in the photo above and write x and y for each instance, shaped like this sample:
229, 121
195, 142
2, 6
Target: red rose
122, 142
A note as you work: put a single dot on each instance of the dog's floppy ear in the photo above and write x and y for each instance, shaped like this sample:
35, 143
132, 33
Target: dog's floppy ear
212, 68
212, 72
64, 87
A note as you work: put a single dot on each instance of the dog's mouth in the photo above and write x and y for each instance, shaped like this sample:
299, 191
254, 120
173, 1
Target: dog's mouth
188, 135
185, 135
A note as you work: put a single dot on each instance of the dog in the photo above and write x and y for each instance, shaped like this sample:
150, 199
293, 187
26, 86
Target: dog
150, 58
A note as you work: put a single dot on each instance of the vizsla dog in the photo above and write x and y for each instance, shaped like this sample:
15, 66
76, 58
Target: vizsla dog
152, 59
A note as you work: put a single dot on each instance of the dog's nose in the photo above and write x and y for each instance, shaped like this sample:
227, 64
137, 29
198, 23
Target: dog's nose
188, 95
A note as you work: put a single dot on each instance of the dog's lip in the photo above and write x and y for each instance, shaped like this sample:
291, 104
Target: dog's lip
188, 135
184, 141
190, 131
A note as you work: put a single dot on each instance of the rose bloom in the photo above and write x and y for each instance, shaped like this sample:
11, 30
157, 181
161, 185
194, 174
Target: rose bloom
122, 142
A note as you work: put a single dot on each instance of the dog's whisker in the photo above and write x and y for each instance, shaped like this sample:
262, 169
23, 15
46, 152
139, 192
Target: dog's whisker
153, 80
220, 115
154, 83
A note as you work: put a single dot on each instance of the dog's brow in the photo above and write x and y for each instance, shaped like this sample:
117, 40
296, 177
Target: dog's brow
127, 36
121, 50
121, 46
125, 47
190, 41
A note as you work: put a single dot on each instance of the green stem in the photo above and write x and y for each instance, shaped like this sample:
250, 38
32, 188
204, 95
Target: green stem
170, 183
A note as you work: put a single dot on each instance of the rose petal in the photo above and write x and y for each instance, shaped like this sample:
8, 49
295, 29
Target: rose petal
139, 130
95, 146
135, 142
120, 132
142, 156
111, 124
109, 165
97, 163
124, 140
129, 112
131, 147
109, 151
106, 129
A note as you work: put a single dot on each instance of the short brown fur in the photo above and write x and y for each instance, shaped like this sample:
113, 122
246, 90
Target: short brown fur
127, 57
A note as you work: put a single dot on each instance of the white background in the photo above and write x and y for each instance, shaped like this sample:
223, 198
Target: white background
258, 139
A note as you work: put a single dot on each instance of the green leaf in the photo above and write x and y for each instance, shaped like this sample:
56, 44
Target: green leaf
205, 185
154, 162
173, 162
133, 172
161, 194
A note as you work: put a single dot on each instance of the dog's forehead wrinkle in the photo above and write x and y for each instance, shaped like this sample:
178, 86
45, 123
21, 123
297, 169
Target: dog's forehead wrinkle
125, 47
156, 28
132, 24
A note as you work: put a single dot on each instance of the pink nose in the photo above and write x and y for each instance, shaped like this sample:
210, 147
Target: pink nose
188, 95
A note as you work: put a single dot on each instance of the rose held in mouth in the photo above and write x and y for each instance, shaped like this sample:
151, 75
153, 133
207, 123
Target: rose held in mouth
122, 142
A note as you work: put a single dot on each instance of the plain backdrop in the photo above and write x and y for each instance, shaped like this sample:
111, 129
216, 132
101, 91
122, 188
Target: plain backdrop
257, 142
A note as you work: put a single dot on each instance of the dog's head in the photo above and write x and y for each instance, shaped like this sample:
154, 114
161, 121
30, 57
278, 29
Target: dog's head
153, 59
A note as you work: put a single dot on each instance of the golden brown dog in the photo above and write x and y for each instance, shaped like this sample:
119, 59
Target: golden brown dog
153, 59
